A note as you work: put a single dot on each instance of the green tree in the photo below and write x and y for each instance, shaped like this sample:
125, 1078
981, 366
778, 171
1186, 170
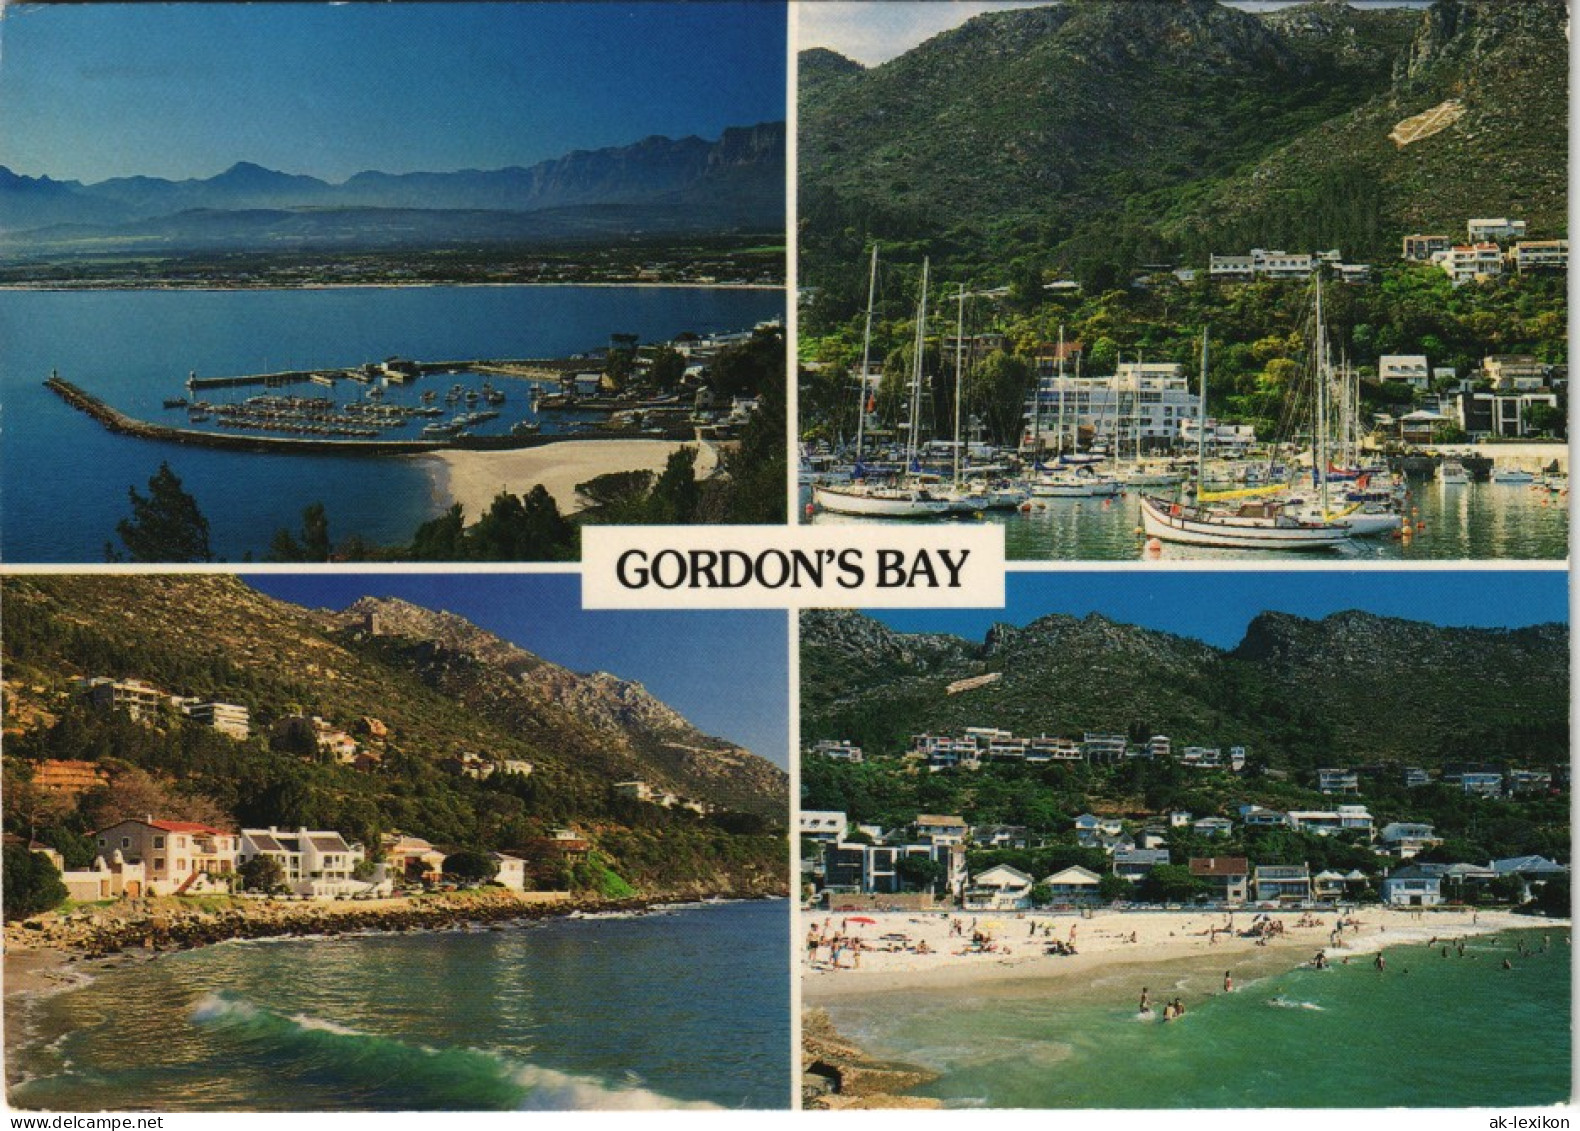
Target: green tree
470, 866
31, 883
1170, 883
441, 539
165, 526
667, 368
921, 873
676, 494
314, 545
262, 873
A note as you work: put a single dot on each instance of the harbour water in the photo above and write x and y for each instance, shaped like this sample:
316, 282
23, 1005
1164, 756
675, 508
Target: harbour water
1452, 1032
1471, 521
66, 478
687, 1007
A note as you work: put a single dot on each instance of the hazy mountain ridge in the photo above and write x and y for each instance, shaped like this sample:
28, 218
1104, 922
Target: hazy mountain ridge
685, 184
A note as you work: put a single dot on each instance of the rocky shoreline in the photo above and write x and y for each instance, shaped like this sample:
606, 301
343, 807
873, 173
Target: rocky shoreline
838, 1076
179, 923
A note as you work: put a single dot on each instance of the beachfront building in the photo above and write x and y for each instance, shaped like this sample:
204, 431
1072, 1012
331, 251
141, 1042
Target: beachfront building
1414, 885
1226, 877
1143, 405
826, 825
1282, 883
1531, 871
412, 858
1405, 839
874, 869
1000, 888
512, 871
114, 877
1133, 865
176, 856
1074, 885
316, 863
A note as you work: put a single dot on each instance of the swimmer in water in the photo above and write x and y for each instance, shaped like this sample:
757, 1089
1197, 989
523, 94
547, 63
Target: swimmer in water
1228, 983
1146, 1002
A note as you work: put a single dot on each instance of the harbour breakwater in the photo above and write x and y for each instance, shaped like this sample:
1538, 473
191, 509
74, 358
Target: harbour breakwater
117, 421
175, 923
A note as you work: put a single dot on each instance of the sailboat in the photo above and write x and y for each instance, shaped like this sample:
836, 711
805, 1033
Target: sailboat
879, 500
1255, 524
1073, 478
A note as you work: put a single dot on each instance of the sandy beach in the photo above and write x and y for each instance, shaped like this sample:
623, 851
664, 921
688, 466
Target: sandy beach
474, 478
1106, 939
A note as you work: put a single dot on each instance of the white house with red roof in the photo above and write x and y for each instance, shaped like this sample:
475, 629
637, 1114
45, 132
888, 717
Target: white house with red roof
177, 856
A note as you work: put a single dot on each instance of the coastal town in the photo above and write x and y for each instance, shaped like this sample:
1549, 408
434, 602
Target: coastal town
1128, 858
1329, 434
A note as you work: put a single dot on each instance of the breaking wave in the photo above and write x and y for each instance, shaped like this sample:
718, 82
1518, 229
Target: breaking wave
367, 1064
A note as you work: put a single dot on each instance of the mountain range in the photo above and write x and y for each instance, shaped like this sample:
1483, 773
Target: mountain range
1351, 688
438, 684
655, 185
1142, 131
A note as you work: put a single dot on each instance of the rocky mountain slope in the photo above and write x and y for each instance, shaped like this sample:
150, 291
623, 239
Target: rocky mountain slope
438, 683
1347, 689
1142, 130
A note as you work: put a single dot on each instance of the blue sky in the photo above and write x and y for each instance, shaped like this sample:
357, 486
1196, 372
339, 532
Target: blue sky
92, 91
725, 671
874, 32
1217, 606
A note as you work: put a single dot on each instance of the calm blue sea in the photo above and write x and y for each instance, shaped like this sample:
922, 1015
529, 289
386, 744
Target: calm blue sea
689, 1007
1429, 1031
64, 479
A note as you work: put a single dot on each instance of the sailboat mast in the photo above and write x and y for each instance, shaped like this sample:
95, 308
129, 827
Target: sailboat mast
960, 347
1059, 442
1319, 447
1201, 423
916, 385
866, 355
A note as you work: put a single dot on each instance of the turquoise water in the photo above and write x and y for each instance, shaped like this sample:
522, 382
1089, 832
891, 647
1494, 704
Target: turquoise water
688, 1007
65, 478
1452, 1032
1473, 521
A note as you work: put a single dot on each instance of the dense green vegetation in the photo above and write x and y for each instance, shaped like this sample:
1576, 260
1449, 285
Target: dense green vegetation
1072, 141
1259, 338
